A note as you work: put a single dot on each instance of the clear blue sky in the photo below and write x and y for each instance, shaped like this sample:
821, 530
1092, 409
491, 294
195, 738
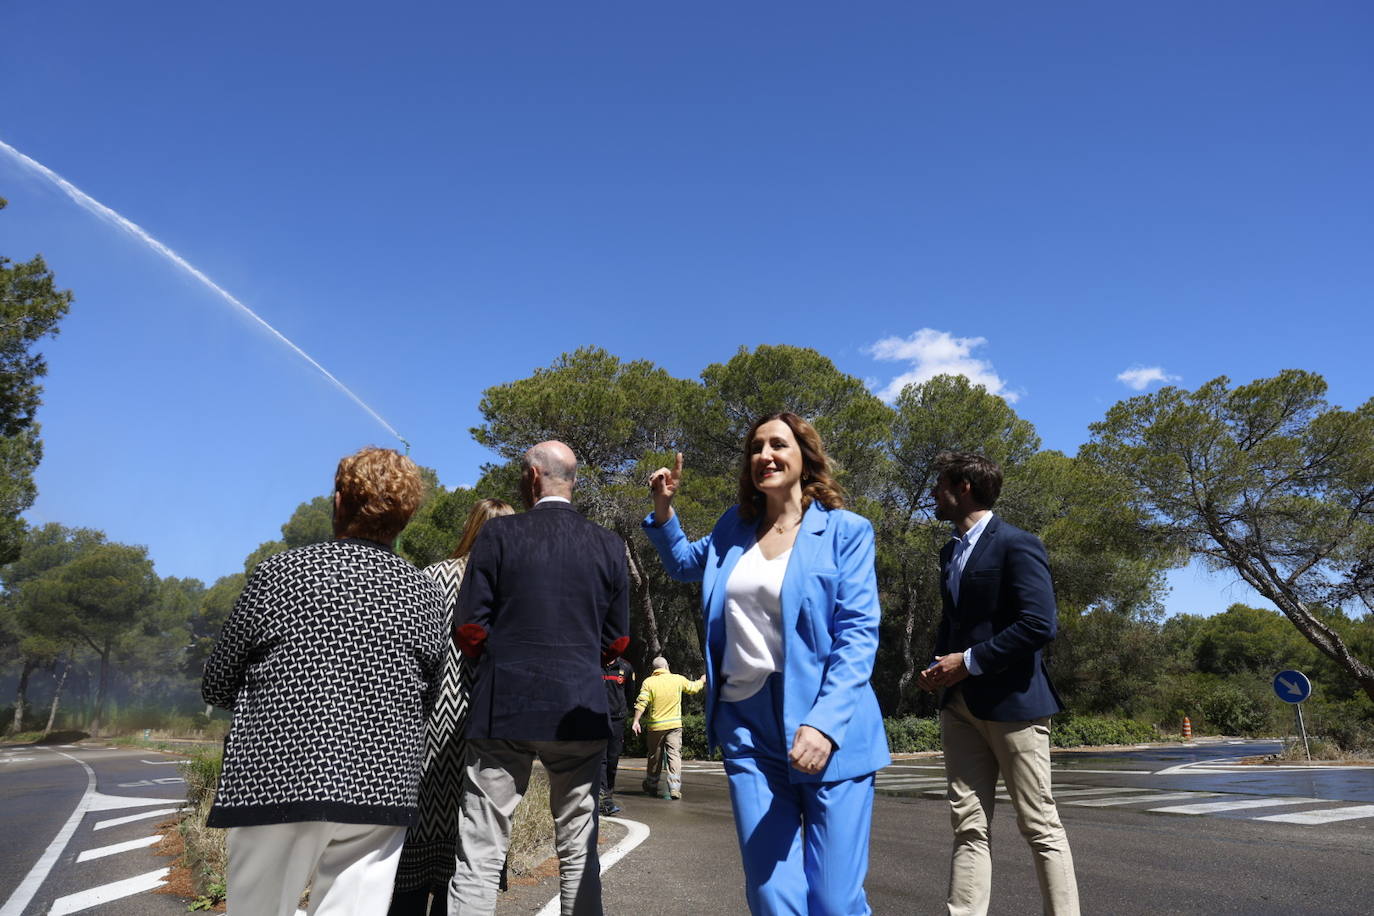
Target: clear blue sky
432, 198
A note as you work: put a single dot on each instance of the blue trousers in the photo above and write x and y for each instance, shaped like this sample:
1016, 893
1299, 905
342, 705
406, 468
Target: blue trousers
804, 844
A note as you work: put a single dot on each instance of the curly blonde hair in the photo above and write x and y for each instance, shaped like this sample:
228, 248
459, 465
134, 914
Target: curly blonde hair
378, 491
817, 482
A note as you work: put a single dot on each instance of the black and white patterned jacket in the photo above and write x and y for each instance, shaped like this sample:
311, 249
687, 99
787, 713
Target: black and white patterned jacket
330, 661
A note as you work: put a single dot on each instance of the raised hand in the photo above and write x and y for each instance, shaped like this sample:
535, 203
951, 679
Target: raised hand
663, 484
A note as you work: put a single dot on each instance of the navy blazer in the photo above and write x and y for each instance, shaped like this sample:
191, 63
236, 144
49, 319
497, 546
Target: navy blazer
544, 599
1006, 614
829, 628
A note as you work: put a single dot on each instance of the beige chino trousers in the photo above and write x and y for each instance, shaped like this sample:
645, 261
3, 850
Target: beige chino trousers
976, 752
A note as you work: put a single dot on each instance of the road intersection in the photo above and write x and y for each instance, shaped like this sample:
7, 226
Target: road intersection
1159, 829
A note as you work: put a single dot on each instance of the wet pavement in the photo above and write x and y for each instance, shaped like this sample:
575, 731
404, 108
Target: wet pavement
1216, 767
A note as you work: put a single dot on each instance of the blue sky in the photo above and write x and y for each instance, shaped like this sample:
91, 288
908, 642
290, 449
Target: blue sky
434, 198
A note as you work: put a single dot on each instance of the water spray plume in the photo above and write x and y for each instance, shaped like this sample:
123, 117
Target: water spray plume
91, 205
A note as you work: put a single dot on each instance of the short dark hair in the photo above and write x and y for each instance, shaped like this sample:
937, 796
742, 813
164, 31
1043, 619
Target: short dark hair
983, 475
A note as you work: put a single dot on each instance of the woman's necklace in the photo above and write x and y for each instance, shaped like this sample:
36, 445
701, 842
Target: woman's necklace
783, 529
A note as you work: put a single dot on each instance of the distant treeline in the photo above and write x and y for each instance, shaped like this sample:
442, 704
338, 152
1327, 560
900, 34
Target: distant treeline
1264, 480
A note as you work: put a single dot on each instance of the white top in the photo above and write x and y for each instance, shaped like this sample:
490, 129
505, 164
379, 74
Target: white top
753, 624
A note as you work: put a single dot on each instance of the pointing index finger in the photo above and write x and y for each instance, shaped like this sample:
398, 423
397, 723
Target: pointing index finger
677, 468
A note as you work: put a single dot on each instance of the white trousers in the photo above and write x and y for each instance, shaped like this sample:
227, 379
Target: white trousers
353, 867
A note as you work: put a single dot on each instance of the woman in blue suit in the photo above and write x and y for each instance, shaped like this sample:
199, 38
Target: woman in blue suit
791, 606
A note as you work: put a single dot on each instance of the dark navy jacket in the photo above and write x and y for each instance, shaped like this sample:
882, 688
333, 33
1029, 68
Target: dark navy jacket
544, 602
1006, 614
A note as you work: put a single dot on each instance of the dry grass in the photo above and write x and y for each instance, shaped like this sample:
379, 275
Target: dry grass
531, 835
206, 857
1324, 751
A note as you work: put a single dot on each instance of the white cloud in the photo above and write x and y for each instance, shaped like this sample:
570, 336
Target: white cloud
933, 353
1141, 377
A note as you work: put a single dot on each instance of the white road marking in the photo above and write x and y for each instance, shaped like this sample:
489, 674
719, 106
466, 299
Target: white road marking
162, 763
129, 819
1070, 770
1101, 790
1146, 798
102, 802
899, 781
104, 851
637, 833
1236, 805
91, 800
148, 783
104, 893
1327, 816
19, 900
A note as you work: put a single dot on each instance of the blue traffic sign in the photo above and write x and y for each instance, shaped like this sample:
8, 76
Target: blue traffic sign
1292, 686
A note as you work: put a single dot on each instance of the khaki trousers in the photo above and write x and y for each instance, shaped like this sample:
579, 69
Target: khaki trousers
353, 866
976, 751
495, 778
664, 747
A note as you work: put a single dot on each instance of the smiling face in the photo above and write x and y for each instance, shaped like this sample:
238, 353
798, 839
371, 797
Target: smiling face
775, 459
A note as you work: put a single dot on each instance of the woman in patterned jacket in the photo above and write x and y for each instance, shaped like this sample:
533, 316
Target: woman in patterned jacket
330, 661
427, 861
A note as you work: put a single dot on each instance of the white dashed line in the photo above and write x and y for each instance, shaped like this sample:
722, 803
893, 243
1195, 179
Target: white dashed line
130, 818
1327, 816
116, 848
104, 893
1235, 805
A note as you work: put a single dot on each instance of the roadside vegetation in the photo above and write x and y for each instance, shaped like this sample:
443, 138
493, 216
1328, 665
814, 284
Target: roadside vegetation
206, 857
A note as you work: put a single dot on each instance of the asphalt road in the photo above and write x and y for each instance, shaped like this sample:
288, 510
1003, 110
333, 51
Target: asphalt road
1130, 858
76, 827
1175, 829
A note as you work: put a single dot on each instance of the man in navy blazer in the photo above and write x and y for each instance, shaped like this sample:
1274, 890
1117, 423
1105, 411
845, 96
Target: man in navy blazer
543, 605
996, 698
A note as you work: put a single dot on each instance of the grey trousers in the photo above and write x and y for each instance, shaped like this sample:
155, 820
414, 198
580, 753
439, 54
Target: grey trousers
496, 777
976, 751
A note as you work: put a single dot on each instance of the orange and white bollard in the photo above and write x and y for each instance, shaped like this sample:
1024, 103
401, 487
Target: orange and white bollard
1187, 729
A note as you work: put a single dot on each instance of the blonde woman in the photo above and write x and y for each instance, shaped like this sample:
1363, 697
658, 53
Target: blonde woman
427, 860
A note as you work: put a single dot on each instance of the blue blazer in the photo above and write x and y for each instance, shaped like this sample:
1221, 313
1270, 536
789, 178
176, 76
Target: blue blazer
1006, 614
829, 628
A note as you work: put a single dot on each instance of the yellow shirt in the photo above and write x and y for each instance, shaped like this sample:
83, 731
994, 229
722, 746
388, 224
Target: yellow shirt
661, 696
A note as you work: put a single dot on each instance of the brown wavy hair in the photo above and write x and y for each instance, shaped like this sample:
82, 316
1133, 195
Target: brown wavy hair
817, 482
378, 491
484, 511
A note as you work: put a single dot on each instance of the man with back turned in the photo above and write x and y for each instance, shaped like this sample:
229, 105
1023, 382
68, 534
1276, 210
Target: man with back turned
996, 699
544, 604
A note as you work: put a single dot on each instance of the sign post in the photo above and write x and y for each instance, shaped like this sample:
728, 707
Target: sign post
1294, 687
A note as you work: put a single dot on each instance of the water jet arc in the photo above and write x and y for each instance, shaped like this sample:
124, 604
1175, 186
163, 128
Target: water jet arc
93, 206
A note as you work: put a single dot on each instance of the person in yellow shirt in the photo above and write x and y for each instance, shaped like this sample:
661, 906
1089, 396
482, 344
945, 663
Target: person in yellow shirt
661, 696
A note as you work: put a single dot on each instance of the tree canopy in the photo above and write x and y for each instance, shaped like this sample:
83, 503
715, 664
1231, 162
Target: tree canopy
1264, 479
31, 306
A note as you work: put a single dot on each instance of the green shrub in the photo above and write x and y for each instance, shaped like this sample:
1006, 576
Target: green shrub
1067, 730
694, 738
910, 734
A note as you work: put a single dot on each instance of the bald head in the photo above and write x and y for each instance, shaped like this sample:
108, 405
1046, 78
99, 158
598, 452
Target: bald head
551, 469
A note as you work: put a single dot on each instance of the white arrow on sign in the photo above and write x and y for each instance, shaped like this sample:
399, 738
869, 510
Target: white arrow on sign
1292, 688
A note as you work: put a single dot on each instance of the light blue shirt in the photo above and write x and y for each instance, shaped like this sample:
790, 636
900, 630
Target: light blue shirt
963, 548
